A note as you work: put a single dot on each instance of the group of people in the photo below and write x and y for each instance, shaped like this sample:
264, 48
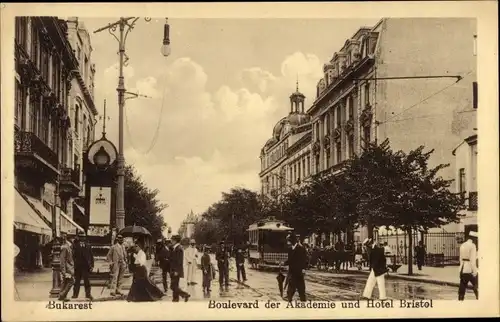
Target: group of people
143, 288
77, 262
163, 258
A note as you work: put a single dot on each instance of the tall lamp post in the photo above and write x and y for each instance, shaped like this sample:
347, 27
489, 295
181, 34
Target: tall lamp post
125, 25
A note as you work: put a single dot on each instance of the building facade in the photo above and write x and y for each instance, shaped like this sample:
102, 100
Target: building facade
83, 111
382, 84
44, 62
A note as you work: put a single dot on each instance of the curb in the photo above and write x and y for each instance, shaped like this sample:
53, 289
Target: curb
416, 279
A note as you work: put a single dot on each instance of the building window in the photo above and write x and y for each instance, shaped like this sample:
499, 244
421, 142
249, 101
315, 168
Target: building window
350, 142
367, 94
339, 152
298, 166
77, 116
474, 95
20, 104
350, 102
35, 46
461, 182
327, 123
308, 165
21, 31
317, 130
473, 167
339, 115
366, 135
45, 125
327, 158
45, 64
317, 164
304, 172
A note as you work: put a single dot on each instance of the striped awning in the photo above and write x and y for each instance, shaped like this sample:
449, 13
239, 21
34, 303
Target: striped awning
27, 219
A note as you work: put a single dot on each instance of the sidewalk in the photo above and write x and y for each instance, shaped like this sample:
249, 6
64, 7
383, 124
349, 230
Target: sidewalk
447, 275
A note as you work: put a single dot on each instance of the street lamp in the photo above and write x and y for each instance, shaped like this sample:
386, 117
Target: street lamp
165, 48
127, 23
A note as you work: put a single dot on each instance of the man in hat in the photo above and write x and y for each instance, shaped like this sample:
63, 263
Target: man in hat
84, 264
191, 259
468, 266
163, 260
222, 257
240, 263
177, 270
117, 256
67, 266
297, 264
378, 269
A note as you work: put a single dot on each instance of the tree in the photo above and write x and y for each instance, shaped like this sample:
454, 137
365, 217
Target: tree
142, 207
206, 231
400, 190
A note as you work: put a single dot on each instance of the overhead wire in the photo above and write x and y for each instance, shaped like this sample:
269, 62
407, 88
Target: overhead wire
157, 130
423, 100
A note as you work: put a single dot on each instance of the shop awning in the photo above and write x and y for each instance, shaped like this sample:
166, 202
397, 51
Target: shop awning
71, 222
81, 210
27, 219
65, 223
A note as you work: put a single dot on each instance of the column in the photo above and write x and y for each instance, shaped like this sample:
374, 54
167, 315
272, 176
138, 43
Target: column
321, 139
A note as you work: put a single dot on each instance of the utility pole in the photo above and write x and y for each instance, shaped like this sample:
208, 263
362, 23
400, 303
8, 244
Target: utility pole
127, 23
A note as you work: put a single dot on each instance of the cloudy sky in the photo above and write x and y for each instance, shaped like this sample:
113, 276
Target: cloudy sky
215, 99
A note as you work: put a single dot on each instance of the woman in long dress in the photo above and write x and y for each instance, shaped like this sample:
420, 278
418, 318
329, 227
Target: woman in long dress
142, 289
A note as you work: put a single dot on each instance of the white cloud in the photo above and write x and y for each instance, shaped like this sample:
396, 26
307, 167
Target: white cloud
207, 142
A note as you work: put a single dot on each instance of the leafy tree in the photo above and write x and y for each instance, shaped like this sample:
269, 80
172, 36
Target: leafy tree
400, 190
207, 231
142, 207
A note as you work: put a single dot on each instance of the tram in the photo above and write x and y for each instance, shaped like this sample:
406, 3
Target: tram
267, 243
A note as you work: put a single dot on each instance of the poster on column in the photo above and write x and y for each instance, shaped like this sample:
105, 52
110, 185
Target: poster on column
100, 205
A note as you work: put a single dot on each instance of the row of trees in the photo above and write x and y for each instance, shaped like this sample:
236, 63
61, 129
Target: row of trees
380, 187
142, 206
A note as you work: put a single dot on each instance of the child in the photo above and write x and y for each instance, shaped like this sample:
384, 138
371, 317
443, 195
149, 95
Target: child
207, 270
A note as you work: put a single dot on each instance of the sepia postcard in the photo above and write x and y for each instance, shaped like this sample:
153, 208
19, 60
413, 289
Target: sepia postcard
216, 161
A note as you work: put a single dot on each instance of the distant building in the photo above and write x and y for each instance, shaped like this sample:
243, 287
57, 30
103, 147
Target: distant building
360, 98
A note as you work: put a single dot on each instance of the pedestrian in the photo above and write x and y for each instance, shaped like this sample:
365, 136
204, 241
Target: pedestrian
420, 254
207, 270
177, 270
142, 288
378, 269
240, 264
191, 259
222, 258
468, 266
358, 257
84, 264
67, 267
162, 258
297, 264
117, 257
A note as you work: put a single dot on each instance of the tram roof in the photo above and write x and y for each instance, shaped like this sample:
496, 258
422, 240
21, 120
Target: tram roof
277, 226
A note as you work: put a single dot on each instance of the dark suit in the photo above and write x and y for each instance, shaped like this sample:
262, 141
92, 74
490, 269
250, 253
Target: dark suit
163, 257
222, 257
297, 262
177, 272
378, 266
84, 263
240, 264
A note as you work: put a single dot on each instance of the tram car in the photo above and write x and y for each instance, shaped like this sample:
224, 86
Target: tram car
267, 243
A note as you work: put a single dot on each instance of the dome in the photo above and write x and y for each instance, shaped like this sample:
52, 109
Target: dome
278, 127
298, 119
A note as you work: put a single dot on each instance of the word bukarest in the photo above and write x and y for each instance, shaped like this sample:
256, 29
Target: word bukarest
68, 306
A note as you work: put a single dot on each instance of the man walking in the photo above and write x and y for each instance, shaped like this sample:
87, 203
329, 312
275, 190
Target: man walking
163, 260
117, 256
222, 257
297, 264
67, 267
191, 257
468, 266
420, 254
84, 264
177, 270
378, 269
240, 264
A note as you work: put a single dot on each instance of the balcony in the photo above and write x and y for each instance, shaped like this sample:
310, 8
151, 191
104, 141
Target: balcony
69, 182
473, 201
34, 158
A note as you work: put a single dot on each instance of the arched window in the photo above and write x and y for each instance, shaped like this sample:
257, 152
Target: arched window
77, 118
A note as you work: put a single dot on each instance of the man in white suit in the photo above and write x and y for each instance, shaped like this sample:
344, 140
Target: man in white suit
468, 266
378, 270
191, 260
